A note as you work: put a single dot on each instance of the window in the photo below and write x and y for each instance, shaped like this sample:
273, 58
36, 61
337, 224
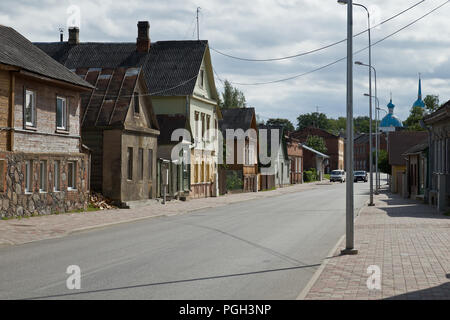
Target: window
208, 120
61, 113
197, 133
130, 163
71, 175
150, 164
141, 163
203, 125
28, 177
136, 103
56, 174
30, 109
202, 78
43, 176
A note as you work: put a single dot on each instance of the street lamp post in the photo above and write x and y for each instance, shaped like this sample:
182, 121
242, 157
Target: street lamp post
376, 126
349, 203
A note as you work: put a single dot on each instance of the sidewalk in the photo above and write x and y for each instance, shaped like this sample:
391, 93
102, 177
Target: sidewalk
13, 232
409, 242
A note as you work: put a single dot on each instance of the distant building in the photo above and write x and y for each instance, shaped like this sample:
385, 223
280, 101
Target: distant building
335, 146
361, 150
295, 154
390, 122
419, 102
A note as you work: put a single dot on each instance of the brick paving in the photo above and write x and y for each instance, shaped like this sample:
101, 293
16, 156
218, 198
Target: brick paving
409, 242
13, 232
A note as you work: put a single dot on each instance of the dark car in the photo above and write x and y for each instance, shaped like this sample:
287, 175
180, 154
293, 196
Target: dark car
360, 176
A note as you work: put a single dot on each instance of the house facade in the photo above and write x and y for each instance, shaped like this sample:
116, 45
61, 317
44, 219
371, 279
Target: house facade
438, 124
295, 154
179, 78
44, 168
399, 143
417, 170
362, 150
120, 128
335, 146
244, 164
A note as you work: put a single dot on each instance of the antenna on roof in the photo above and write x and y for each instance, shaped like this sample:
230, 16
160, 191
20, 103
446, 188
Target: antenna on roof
61, 34
198, 25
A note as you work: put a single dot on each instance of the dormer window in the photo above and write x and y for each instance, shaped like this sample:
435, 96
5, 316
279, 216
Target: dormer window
136, 103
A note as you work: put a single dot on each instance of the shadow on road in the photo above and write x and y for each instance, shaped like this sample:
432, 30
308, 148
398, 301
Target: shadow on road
172, 282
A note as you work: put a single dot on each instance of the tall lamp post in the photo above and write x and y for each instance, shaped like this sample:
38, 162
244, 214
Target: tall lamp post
349, 203
370, 93
377, 143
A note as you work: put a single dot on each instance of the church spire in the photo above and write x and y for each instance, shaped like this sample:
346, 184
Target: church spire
420, 88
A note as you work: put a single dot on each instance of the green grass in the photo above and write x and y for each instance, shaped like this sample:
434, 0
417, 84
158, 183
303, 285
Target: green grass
327, 176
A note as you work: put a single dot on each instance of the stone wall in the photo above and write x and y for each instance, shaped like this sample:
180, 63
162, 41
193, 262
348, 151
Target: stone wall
15, 202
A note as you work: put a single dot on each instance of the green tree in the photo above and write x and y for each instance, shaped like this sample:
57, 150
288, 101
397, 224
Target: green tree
232, 97
431, 102
317, 143
413, 121
315, 119
285, 123
336, 126
383, 162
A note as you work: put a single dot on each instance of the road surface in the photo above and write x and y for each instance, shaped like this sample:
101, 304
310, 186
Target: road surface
261, 249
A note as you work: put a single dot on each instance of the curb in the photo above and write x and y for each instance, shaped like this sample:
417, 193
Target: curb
319, 271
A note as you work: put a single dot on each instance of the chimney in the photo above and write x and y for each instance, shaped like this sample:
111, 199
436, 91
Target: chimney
143, 39
74, 35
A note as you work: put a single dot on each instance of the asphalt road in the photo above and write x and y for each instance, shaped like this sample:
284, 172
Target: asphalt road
264, 249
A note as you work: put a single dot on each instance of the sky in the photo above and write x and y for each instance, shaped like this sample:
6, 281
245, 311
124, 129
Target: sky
271, 29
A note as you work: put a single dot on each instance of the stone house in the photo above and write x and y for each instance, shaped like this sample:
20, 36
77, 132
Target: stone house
438, 124
120, 128
44, 167
180, 80
335, 146
245, 160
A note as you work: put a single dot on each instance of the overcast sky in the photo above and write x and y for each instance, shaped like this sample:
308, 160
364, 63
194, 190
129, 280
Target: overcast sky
268, 29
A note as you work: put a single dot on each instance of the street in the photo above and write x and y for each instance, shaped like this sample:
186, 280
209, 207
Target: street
259, 249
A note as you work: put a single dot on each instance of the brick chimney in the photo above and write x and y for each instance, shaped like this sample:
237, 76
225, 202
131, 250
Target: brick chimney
143, 39
74, 35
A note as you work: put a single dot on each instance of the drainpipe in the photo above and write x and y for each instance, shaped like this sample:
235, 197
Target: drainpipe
429, 176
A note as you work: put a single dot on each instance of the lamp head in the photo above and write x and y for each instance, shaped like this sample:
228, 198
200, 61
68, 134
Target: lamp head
366, 95
342, 1
359, 63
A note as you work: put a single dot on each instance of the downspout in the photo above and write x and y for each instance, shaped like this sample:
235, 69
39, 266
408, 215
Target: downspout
188, 117
11, 110
429, 171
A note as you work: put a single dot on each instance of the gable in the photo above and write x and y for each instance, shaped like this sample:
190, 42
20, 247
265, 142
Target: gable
145, 117
205, 85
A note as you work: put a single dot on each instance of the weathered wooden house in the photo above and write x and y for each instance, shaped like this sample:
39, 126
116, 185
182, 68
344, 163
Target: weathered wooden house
180, 80
417, 170
244, 165
295, 154
173, 156
43, 166
120, 128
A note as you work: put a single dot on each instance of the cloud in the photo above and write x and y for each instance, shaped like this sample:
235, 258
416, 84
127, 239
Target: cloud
265, 29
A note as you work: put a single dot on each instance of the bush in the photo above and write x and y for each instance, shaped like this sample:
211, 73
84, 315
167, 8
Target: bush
234, 181
310, 176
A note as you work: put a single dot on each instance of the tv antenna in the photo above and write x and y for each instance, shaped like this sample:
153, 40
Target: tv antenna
198, 25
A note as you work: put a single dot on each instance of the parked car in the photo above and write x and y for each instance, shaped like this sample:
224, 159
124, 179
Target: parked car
337, 176
360, 176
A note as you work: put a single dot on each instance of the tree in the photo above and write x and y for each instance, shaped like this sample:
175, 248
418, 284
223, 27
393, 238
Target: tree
315, 119
285, 123
337, 126
383, 162
317, 143
259, 120
413, 121
232, 97
431, 102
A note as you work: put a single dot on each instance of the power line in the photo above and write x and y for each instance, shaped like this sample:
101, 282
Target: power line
317, 49
344, 58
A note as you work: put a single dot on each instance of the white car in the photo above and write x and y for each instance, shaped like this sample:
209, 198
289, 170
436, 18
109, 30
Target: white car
337, 176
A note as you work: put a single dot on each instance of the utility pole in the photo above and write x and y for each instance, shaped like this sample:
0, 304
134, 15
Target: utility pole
349, 209
198, 25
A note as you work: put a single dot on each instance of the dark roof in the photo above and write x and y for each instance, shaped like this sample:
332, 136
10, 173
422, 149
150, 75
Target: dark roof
304, 133
401, 141
168, 123
17, 51
441, 114
237, 118
108, 104
418, 148
170, 68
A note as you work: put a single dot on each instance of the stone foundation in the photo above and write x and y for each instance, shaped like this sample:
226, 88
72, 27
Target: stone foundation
15, 202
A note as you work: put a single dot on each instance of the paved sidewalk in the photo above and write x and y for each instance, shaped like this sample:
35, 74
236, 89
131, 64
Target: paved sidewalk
13, 232
409, 242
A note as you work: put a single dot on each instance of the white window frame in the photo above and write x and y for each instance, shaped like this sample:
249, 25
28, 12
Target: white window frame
72, 185
43, 176
33, 108
202, 78
64, 115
